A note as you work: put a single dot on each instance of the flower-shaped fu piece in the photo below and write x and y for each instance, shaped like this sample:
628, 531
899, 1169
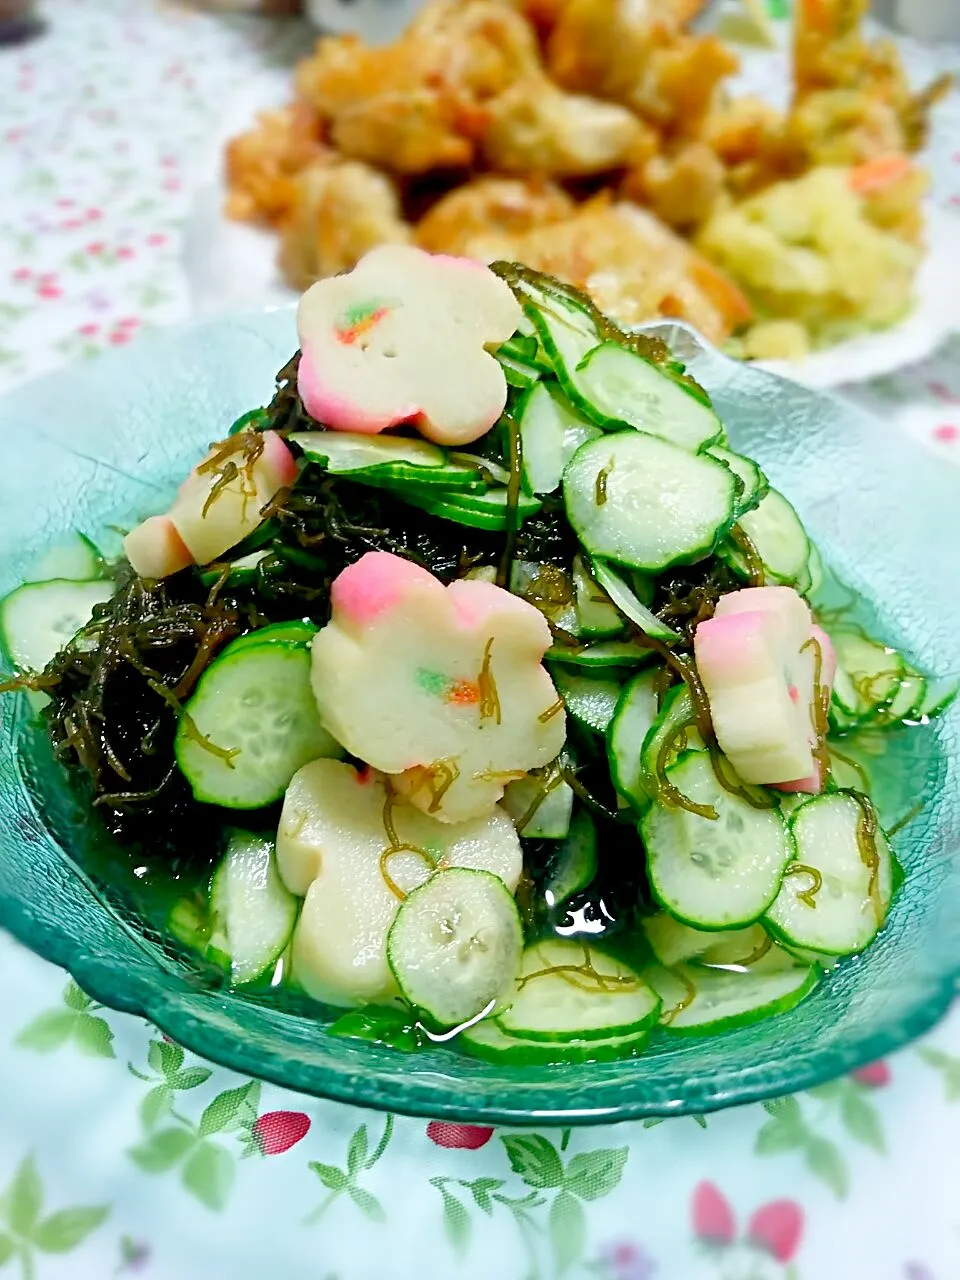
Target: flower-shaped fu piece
441, 686
402, 338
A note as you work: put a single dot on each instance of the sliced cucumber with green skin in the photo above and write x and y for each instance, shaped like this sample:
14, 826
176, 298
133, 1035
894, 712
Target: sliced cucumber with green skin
590, 699
598, 617
550, 820
548, 589
252, 913
629, 604
606, 653
385, 457
718, 873
297, 632
676, 712
908, 697
939, 696
829, 872
78, 560
633, 717
488, 1040
550, 433
672, 942
518, 372
614, 387
872, 674
455, 945
815, 569
251, 724
725, 999
574, 865
38, 619
478, 511
755, 483
569, 989
647, 504
781, 541
240, 572
254, 420
566, 332
189, 923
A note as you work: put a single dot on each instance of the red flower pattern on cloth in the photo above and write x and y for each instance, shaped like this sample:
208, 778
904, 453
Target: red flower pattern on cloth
775, 1227
469, 1137
277, 1131
875, 1074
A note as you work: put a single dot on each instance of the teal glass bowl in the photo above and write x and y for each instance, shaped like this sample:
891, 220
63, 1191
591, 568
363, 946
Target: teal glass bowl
104, 444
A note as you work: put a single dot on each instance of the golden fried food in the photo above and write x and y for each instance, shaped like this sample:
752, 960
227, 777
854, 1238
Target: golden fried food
419, 103
601, 47
682, 81
807, 250
262, 163
633, 267
683, 188
535, 105
339, 210
473, 220
537, 128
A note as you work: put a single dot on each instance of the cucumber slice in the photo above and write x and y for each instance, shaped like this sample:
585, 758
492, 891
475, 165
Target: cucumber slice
647, 504
455, 945
389, 458
724, 999
488, 510
672, 942
606, 653
75, 561
846, 915
550, 433
489, 1041
614, 387
874, 674
815, 569
568, 989
298, 632
905, 702
241, 571
550, 820
781, 541
250, 725
189, 923
714, 874
574, 865
591, 700
518, 372
566, 330
548, 589
939, 696
676, 714
629, 604
599, 619
755, 483
634, 716
253, 420
252, 913
38, 619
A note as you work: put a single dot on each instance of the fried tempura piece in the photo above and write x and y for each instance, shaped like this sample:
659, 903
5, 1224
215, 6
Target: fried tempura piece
633, 267
419, 103
600, 47
474, 219
683, 188
680, 85
262, 163
536, 128
338, 212
845, 82
639, 56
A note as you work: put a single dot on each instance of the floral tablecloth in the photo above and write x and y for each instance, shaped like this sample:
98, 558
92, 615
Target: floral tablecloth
119, 1154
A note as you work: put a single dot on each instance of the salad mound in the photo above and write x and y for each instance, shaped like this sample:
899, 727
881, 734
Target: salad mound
498, 681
